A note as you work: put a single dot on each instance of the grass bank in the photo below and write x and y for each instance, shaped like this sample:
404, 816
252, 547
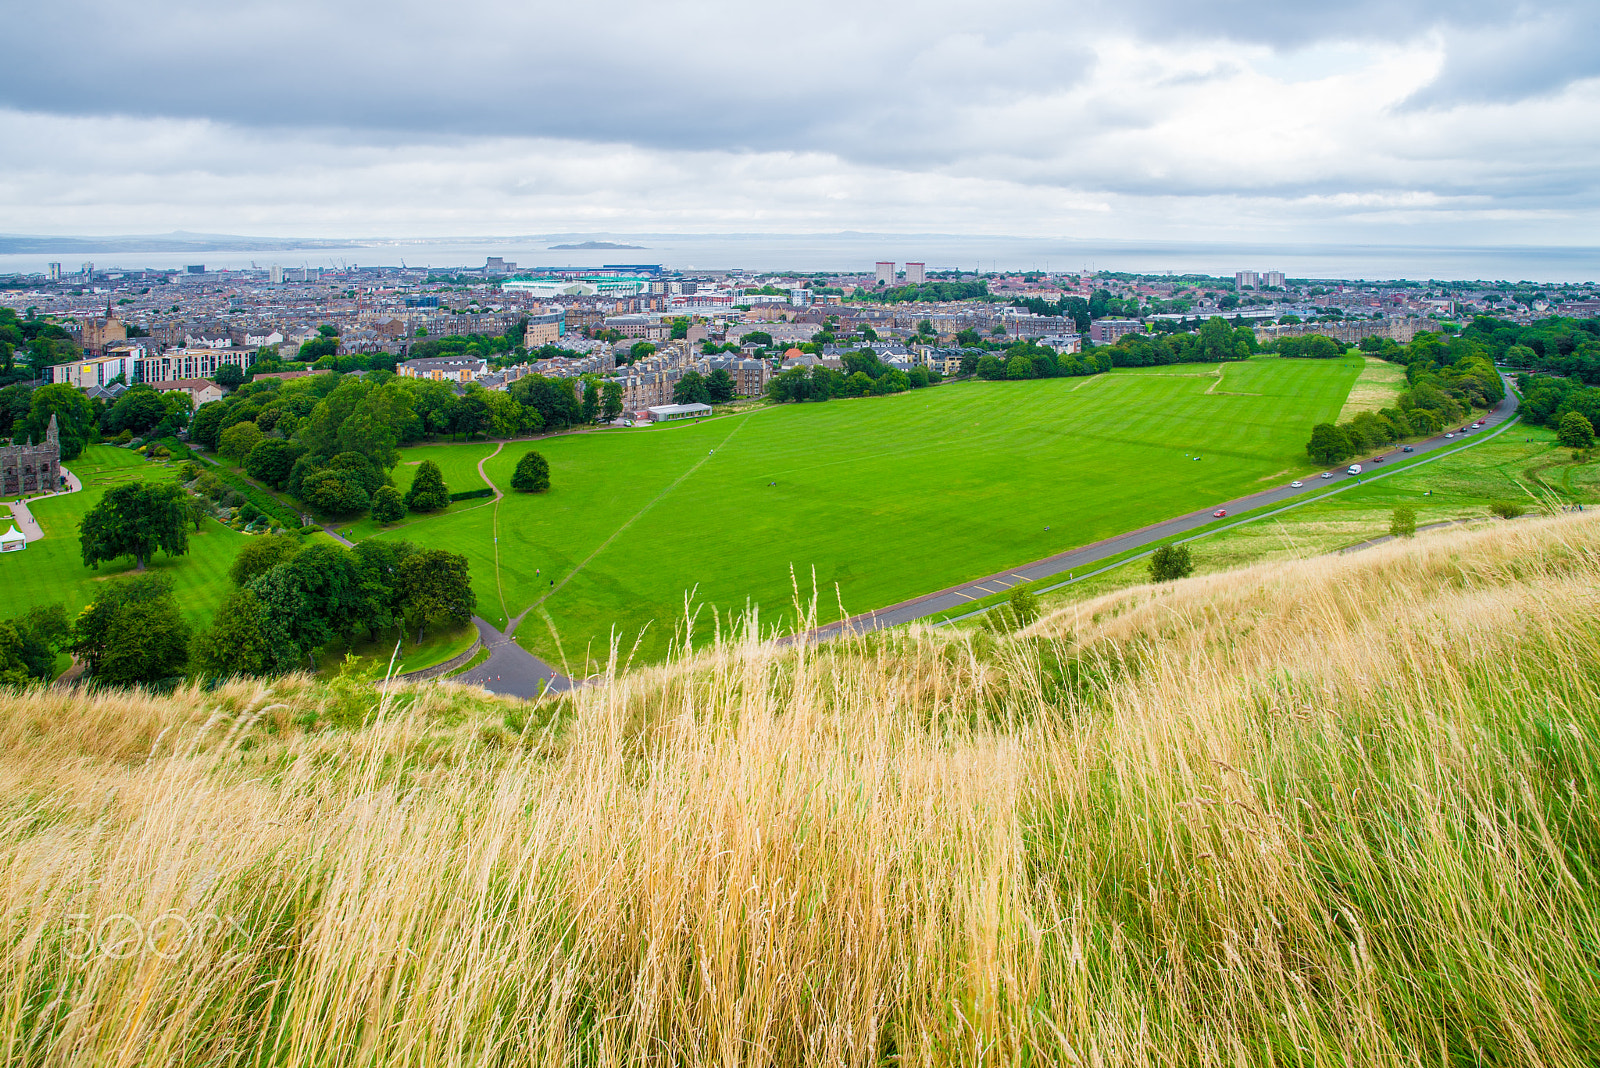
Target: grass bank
1339, 811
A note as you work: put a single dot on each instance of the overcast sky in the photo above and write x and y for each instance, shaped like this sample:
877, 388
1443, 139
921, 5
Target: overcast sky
1466, 122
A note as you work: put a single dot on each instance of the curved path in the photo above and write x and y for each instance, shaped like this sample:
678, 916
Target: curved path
1315, 487
24, 518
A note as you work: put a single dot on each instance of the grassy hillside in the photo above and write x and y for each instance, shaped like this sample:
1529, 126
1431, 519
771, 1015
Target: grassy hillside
887, 498
1329, 812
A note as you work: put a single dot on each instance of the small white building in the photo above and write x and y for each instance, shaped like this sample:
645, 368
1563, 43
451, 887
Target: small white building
663, 413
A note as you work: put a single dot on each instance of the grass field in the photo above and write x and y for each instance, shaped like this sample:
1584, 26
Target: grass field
886, 498
51, 571
1379, 383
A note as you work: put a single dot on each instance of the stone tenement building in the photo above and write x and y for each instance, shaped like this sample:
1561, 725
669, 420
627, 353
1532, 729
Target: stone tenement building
31, 468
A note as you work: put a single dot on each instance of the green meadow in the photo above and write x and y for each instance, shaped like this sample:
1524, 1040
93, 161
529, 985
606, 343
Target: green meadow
51, 571
874, 500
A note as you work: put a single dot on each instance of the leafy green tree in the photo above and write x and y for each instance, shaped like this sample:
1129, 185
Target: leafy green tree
1575, 431
640, 350
719, 386
260, 555
591, 402
691, 389
133, 632
335, 492
229, 376
438, 589
28, 644
238, 441
272, 459
236, 643
74, 417
858, 385
532, 474
612, 406
991, 368
1019, 366
428, 493
206, 427
137, 410
1024, 605
1403, 524
1170, 562
1328, 444
135, 519
387, 505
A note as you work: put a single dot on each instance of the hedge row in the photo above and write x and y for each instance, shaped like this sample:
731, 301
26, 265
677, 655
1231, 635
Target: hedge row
467, 495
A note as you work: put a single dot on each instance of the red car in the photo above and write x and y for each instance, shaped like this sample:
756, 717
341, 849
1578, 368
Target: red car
1220, 512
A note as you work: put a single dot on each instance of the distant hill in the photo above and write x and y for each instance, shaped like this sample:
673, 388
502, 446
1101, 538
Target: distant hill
594, 245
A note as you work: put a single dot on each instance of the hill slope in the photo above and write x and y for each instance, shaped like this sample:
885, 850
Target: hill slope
1337, 812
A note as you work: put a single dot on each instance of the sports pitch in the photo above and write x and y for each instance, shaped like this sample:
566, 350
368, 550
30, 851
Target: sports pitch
882, 498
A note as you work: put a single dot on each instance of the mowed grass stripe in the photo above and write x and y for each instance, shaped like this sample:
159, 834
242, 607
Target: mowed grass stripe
887, 497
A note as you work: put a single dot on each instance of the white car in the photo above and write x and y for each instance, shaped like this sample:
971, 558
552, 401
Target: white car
1327, 474
1449, 435
1296, 484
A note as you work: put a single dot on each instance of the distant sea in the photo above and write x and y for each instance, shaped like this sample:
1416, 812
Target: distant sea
858, 252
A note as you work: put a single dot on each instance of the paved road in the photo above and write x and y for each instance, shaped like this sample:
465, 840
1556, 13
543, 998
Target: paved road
511, 669
954, 597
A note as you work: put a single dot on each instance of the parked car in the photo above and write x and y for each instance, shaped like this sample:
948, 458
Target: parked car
1406, 449
1220, 512
1296, 484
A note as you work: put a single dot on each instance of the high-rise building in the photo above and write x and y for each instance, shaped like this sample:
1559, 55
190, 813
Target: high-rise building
275, 275
886, 272
88, 271
916, 273
1272, 279
55, 272
1246, 280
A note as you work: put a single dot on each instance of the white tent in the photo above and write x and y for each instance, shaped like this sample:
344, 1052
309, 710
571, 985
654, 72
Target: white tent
12, 541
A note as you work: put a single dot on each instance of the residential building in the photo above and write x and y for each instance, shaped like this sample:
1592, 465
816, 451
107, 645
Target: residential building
545, 329
444, 368
1104, 331
200, 390
916, 273
1246, 280
93, 371
189, 363
1272, 279
885, 273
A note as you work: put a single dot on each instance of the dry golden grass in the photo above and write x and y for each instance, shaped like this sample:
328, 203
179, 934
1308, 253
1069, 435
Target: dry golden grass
1331, 812
1379, 383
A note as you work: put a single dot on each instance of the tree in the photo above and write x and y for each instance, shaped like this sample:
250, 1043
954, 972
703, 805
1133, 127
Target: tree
260, 555
135, 519
532, 474
613, 400
206, 426
229, 376
990, 367
438, 590
1575, 431
28, 644
691, 389
137, 410
591, 402
237, 442
133, 632
719, 386
1170, 562
1024, 605
428, 493
640, 350
1507, 509
1328, 444
236, 643
1403, 524
271, 460
74, 417
387, 505
1019, 366
335, 492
